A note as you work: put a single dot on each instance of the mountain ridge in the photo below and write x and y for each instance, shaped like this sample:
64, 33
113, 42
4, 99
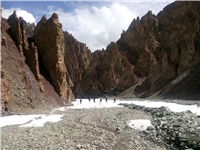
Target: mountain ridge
152, 53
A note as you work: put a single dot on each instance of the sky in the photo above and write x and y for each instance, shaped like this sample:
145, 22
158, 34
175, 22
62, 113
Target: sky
95, 23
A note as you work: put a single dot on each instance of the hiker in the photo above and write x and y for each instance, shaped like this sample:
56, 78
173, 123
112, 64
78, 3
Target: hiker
106, 100
94, 100
80, 101
114, 100
89, 100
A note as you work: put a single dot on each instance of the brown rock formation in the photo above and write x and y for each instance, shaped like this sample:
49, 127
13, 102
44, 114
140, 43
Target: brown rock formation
77, 59
164, 46
186, 85
27, 28
159, 47
21, 84
30, 27
15, 31
33, 61
106, 70
19, 30
179, 34
148, 57
5, 90
139, 43
24, 89
111, 71
127, 80
50, 42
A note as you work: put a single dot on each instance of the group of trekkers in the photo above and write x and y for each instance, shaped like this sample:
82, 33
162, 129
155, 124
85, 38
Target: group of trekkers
94, 100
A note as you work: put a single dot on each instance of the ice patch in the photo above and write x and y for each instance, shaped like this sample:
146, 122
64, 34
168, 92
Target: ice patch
172, 106
34, 121
15, 119
40, 122
86, 104
140, 124
30, 120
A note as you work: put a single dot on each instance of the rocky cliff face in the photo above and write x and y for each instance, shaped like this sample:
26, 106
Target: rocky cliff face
181, 46
5, 90
5, 86
50, 41
158, 48
77, 58
15, 31
164, 46
151, 57
139, 43
19, 31
22, 80
186, 86
107, 70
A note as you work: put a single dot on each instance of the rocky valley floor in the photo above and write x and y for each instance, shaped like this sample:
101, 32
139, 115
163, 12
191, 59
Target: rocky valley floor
83, 129
97, 129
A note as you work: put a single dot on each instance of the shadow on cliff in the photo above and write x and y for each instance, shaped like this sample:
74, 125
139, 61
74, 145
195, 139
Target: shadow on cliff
46, 81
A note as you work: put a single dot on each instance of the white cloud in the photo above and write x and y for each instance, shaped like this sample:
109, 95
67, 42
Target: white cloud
97, 26
28, 17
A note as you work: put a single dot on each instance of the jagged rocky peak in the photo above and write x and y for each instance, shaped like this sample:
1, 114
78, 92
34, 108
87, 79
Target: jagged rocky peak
13, 16
19, 31
55, 16
15, 31
149, 19
50, 41
77, 57
175, 47
164, 46
154, 48
28, 27
106, 70
44, 18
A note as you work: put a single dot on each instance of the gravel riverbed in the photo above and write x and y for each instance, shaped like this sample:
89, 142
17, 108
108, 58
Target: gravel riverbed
101, 128
86, 129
